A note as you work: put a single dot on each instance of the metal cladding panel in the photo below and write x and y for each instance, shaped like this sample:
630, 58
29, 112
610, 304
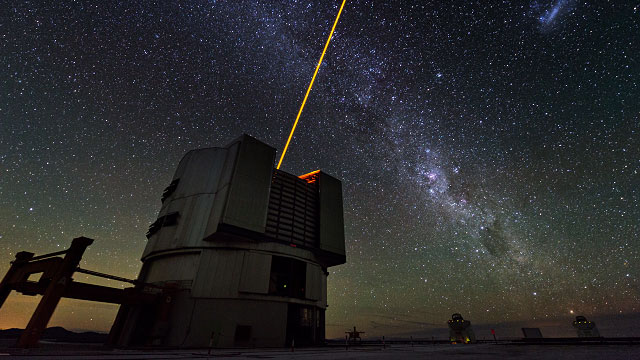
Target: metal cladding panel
223, 189
331, 214
201, 172
218, 274
314, 282
248, 198
268, 322
198, 176
174, 268
193, 215
180, 320
195, 219
256, 270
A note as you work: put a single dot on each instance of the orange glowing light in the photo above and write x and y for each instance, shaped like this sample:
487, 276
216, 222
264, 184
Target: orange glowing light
304, 101
310, 177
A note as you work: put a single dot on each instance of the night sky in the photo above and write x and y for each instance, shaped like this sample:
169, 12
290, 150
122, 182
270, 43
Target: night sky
489, 150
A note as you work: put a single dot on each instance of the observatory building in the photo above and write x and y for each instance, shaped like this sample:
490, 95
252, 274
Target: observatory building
585, 328
460, 330
245, 248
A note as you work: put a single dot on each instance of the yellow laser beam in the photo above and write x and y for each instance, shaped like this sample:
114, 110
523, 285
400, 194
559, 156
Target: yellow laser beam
310, 85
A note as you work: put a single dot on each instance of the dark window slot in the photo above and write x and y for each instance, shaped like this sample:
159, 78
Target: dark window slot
167, 220
170, 189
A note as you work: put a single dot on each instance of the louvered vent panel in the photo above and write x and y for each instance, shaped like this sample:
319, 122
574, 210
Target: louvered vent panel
293, 210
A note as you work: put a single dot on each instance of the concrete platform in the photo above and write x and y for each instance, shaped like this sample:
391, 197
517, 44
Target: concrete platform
439, 351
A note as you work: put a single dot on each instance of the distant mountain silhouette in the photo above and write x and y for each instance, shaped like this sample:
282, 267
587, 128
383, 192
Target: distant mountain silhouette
59, 334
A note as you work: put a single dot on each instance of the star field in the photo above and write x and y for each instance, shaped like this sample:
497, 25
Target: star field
489, 151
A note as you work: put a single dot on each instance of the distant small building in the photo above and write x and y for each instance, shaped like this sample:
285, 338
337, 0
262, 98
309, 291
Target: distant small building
246, 248
585, 328
460, 330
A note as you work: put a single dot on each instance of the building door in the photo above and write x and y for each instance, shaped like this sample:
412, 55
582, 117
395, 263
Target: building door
301, 323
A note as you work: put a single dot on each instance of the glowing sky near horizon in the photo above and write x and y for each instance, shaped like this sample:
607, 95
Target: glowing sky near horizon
489, 152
